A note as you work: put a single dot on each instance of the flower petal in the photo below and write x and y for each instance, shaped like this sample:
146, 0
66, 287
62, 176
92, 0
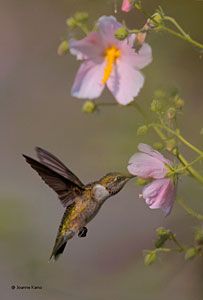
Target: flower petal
138, 59
156, 154
143, 57
90, 47
88, 81
126, 5
107, 26
125, 82
160, 194
146, 166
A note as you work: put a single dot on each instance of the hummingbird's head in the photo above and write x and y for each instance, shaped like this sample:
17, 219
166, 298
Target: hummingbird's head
114, 182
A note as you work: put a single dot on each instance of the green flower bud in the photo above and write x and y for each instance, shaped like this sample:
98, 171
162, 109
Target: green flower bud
71, 22
163, 235
142, 130
150, 258
170, 144
156, 105
161, 231
63, 48
199, 236
157, 19
191, 253
121, 33
138, 5
179, 102
89, 107
142, 181
158, 146
171, 113
81, 16
159, 94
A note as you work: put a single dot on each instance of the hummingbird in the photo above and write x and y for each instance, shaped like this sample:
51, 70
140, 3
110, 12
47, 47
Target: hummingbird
81, 201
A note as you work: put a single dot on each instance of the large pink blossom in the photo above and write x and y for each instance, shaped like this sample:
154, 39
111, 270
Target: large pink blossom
148, 163
109, 62
127, 5
151, 164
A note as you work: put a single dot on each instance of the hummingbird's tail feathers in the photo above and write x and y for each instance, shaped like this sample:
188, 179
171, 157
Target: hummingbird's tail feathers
60, 244
66, 189
58, 249
56, 165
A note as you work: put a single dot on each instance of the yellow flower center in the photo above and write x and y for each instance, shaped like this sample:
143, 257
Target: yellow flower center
111, 54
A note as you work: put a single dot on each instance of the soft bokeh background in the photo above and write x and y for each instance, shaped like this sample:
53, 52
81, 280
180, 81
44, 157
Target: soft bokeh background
37, 109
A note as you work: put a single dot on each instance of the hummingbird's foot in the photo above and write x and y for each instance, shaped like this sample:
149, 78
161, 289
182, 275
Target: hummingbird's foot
83, 232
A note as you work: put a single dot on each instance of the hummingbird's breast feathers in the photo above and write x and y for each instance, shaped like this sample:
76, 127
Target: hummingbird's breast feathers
100, 193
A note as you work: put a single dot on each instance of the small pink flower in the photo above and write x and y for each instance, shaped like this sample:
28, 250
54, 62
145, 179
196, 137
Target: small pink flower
151, 164
109, 62
127, 5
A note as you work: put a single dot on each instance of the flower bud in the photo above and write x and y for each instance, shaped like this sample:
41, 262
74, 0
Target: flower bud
191, 253
140, 39
199, 236
179, 102
159, 94
161, 231
138, 5
142, 130
158, 146
157, 19
89, 107
142, 181
150, 258
71, 22
156, 105
171, 113
81, 16
170, 144
121, 33
63, 48
163, 235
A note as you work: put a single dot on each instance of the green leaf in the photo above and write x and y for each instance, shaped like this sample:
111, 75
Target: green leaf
191, 253
150, 258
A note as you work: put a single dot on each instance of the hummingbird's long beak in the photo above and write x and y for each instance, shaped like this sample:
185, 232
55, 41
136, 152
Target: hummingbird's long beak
130, 176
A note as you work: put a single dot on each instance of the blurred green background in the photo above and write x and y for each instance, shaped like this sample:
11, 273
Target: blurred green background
37, 110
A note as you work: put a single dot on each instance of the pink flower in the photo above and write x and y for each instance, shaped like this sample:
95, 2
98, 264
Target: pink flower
148, 163
151, 164
127, 5
109, 62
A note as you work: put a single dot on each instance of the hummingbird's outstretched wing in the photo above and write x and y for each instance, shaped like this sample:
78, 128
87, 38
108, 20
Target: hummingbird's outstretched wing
56, 165
66, 189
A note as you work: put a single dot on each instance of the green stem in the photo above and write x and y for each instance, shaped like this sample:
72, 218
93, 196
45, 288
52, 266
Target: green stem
180, 247
181, 138
183, 37
188, 165
190, 169
163, 250
175, 23
189, 210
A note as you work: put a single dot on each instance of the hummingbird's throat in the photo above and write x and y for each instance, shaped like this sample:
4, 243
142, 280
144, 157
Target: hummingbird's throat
100, 193
111, 54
